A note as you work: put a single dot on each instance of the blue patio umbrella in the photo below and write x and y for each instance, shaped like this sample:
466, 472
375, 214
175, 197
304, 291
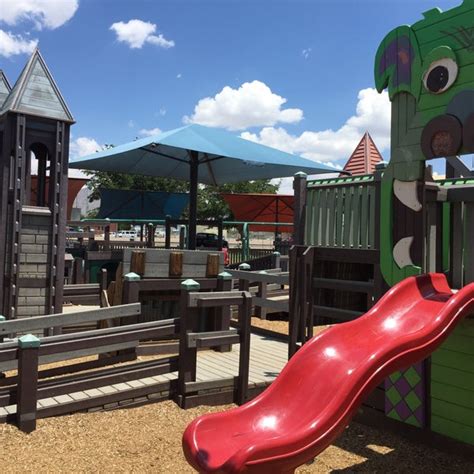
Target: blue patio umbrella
199, 154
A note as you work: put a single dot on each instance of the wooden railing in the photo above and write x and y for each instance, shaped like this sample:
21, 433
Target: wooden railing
450, 226
341, 212
266, 282
191, 339
32, 383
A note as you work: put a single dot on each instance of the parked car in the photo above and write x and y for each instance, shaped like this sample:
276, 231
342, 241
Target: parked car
129, 234
207, 239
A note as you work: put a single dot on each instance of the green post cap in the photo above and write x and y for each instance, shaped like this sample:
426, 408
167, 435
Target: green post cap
244, 266
132, 276
190, 285
224, 276
28, 341
277, 254
2, 318
301, 174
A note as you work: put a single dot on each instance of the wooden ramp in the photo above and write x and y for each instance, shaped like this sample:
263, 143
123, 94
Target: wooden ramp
267, 357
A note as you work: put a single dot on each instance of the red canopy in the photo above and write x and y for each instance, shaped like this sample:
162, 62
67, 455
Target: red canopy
262, 208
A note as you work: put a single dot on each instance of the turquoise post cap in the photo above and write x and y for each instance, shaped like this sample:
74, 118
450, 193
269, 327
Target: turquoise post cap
28, 341
277, 254
190, 285
381, 165
300, 174
244, 266
2, 318
132, 276
224, 276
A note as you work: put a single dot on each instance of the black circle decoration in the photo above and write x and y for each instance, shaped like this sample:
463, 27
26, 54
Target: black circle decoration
437, 79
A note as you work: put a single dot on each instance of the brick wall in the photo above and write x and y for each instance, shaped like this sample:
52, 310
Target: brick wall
35, 243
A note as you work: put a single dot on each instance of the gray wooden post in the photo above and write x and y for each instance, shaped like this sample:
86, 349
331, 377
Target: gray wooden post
299, 211
187, 355
244, 356
2, 319
276, 257
222, 315
167, 232
28, 346
107, 237
244, 284
260, 311
150, 236
182, 237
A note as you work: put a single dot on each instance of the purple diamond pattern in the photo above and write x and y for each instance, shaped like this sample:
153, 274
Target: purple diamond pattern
411, 387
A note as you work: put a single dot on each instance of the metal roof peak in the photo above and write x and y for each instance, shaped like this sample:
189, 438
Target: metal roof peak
36, 93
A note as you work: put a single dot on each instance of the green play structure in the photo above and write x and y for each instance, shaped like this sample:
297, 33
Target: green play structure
364, 234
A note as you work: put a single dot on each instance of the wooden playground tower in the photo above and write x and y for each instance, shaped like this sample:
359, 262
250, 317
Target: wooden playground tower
34, 133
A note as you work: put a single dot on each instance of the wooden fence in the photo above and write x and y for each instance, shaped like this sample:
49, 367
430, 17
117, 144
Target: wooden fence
267, 287
341, 212
31, 393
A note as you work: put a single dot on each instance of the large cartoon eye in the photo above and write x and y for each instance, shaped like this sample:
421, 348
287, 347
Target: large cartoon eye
440, 75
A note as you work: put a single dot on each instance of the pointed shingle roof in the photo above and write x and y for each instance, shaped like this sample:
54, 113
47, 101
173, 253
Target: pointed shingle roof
5, 87
364, 157
36, 93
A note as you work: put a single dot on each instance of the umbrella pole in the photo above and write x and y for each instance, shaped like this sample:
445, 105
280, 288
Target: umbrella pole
193, 190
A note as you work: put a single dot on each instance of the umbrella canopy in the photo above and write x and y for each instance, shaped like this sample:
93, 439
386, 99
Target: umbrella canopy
201, 155
262, 208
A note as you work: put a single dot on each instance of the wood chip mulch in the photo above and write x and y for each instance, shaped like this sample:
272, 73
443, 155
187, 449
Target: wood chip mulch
148, 439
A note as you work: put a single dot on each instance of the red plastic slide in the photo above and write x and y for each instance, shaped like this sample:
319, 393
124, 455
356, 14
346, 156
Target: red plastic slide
320, 389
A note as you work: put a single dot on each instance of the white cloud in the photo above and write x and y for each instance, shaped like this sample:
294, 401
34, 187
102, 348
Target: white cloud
11, 44
79, 147
49, 14
253, 104
335, 146
84, 146
306, 52
137, 32
179, 76
149, 132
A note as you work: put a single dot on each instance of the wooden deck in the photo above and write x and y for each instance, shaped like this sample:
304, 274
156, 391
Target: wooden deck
267, 358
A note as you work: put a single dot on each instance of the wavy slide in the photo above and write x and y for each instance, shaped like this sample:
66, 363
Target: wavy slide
320, 389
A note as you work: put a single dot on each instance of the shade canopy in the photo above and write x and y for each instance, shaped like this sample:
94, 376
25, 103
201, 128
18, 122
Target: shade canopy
199, 155
223, 157
140, 205
251, 207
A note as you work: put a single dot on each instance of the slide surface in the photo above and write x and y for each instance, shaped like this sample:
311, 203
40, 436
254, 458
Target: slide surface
313, 399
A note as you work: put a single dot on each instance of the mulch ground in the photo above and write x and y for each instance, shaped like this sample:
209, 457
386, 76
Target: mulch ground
148, 439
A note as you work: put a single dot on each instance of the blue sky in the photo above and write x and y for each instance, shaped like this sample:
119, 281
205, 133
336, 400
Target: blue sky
289, 73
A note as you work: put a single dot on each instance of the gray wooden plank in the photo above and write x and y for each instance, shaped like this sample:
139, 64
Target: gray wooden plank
364, 217
331, 234
347, 217
339, 216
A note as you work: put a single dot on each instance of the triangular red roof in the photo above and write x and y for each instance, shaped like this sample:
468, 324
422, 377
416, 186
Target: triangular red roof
364, 158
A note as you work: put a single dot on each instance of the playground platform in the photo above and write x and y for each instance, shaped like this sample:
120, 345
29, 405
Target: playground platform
267, 358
